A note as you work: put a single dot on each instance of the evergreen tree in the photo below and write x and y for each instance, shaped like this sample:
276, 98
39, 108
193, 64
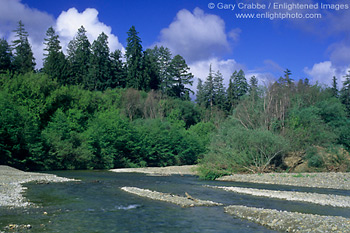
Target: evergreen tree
334, 89
238, 87
5, 56
79, 57
134, 61
163, 56
118, 71
200, 95
55, 64
345, 93
100, 65
253, 86
151, 79
179, 70
209, 89
24, 60
219, 90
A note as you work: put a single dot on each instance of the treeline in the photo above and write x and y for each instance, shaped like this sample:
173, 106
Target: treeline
45, 125
96, 109
285, 119
93, 108
94, 67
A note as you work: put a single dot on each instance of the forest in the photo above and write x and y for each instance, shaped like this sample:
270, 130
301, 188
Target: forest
93, 108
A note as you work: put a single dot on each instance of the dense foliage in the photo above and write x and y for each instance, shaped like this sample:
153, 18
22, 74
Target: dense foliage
97, 109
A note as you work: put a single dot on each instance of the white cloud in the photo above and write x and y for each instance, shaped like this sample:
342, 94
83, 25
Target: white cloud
196, 36
340, 53
323, 73
35, 23
200, 69
70, 21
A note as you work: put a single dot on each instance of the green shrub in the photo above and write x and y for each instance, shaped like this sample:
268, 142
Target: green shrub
314, 159
236, 148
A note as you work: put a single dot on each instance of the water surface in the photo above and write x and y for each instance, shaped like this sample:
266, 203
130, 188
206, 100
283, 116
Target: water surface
96, 204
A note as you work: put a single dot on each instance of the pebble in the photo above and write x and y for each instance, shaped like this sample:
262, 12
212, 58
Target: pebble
178, 200
331, 180
315, 198
285, 221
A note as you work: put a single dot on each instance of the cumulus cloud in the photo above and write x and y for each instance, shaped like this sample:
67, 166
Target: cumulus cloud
200, 69
70, 21
35, 23
196, 36
340, 53
323, 72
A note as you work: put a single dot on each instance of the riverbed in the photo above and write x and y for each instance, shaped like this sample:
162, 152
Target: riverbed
97, 203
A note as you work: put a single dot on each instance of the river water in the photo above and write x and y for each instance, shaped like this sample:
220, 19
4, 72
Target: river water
97, 204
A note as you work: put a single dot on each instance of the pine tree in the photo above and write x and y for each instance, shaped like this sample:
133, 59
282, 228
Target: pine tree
55, 64
253, 86
219, 90
151, 79
79, 57
134, 61
238, 87
118, 71
200, 95
334, 89
209, 89
24, 60
345, 93
100, 65
179, 71
5, 56
163, 59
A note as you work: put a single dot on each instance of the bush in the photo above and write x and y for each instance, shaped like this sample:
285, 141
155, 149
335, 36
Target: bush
110, 139
162, 143
314, 158
65, 143
236, 148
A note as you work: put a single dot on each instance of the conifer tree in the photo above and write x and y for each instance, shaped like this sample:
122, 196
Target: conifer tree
55, 64
24, 60
238, 87
79, 57
219, 90
253, 86
200, 95
179, 71
118, 71
5, 56
334, 89
151, 79
209, 89
163, 59
345, 93
100, 65
134, 61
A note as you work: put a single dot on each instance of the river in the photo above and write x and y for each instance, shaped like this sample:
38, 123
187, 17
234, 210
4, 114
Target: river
97, 204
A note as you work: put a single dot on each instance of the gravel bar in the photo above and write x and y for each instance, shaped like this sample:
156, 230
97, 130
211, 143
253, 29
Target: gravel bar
164, 171
284, 221
187, 201
331, 180
11, 188
314, 198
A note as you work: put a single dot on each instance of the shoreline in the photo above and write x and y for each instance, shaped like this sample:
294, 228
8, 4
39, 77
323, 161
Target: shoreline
162, 171
328, 180
11, 187
11, 191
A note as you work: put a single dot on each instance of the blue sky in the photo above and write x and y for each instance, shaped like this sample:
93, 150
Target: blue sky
313, 48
